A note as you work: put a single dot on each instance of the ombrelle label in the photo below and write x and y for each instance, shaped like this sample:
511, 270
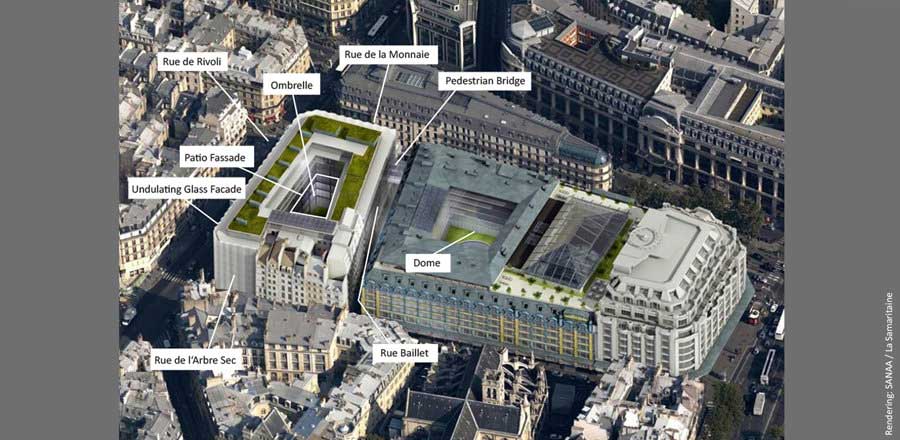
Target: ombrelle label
216, 156
291, 84
192, 61
218, 360
188, 188
428, 263
396, 55
399, 353
485, 81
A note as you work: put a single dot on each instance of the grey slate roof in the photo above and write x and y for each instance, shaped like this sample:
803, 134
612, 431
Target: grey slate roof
432, 407
499, 418
473, 110
467, 417
467, 9
437, 169
466, 427
299, 328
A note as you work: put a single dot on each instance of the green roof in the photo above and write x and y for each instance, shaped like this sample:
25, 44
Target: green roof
248, 219
340, 130
605, 266
356, 175
455, 233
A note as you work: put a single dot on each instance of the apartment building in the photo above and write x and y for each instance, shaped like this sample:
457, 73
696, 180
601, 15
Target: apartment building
477, 122
147, 226
451, 26
256, 43
226, 117
367, 391
745, 14
287, 271
332, 16
297, 343
253, 407
145, 409
674, 285
657, 102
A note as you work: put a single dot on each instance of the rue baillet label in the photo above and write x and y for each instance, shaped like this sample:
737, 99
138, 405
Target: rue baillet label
399, 353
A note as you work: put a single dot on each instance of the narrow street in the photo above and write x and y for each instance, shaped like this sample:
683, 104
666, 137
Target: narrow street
158, 308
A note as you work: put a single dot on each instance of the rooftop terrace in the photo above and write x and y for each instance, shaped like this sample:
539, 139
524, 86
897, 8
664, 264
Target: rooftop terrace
248, 218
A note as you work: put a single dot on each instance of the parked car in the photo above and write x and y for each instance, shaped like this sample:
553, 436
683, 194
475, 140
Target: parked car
753, 317
129, 314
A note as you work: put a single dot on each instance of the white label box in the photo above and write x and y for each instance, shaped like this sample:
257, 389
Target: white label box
192, 61
187, 188
400, 353
396, 55
428, 263
218, 360
486, 81
292, 84
215, 156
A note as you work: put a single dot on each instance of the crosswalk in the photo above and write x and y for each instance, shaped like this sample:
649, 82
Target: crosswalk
172, 277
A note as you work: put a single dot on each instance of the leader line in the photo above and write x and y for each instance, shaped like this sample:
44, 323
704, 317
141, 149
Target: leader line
302, 142
387, 69
451, 244
425, 127
363, 278
236, 103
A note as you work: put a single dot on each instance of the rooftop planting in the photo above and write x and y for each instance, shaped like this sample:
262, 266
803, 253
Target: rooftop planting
340, 130
352, 183
454, 233
604, 268
248, 219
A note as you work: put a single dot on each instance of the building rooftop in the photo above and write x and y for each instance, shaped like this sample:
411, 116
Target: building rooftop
640, 401
596, 61
271, 44
460, 10
577, 239
666, 249
315, 329
352, 151
482, 112
466, 416
447, 188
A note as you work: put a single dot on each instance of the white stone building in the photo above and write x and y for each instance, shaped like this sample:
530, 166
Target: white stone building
673, 287
289, 272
